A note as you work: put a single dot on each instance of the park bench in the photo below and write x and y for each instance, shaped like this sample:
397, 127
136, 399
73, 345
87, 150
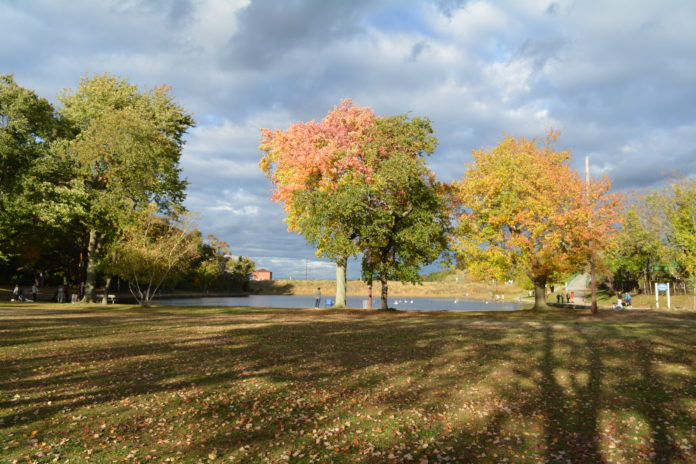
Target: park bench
111, 298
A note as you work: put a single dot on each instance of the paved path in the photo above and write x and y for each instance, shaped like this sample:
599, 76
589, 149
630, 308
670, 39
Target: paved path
579, 285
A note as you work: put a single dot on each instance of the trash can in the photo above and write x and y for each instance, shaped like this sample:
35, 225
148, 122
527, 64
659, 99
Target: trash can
329, 302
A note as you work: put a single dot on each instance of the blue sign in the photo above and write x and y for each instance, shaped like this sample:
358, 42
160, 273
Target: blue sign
662, 287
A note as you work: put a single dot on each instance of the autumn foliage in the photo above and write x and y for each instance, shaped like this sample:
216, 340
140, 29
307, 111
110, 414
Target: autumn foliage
520, 207
311, 160
357, 183
312, 155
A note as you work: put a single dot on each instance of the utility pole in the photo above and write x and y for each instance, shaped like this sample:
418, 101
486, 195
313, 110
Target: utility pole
593, 280
305, 269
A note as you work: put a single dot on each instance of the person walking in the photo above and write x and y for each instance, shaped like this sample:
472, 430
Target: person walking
572, 297
60, 296
34, 293
15, 293
317, 297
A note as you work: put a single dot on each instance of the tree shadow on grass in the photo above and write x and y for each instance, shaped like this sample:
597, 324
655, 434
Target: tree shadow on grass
570, 422
303, 371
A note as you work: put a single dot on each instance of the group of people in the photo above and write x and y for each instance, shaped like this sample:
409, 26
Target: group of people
18, 293
622, 301
62, 294
569, 297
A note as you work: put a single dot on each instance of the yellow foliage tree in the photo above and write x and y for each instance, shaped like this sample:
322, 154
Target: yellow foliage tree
520, 207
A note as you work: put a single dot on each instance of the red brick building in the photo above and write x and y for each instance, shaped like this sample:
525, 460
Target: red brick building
262, 274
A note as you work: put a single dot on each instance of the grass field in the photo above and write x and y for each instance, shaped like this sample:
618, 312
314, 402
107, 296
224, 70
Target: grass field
118, 383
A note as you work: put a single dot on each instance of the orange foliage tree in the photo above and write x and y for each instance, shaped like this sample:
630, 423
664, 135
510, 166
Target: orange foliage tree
319, 158
520, 207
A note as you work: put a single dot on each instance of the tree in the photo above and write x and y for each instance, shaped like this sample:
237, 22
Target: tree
152, 249
241, 270
124, 151
682, 237
521, 207
308, 163
27, 126
214, 258
682, 218
597, 218
400, 214
634, 253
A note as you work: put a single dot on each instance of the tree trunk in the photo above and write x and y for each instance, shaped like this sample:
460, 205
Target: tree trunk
539, 296
105, 297
369, 295
341, 265
384, 304
91, 275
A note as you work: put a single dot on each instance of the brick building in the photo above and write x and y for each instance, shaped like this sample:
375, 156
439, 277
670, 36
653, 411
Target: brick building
262, 274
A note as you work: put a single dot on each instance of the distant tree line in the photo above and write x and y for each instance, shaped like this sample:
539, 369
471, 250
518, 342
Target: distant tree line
657, 240
92, 190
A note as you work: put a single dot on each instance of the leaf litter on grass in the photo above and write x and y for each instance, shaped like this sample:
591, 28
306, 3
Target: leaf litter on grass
298, 386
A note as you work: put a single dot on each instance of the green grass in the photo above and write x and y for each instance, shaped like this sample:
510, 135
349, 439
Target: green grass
121, 384
678, 302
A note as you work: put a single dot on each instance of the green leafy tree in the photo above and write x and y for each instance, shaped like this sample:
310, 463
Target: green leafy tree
214, 255
682, 237
124, 152
240, 271
400, 215
682, 217
27, 126
634, 253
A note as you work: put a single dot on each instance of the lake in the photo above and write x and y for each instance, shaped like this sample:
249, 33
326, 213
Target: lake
307, 301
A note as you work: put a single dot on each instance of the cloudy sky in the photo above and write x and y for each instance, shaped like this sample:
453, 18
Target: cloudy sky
617, 78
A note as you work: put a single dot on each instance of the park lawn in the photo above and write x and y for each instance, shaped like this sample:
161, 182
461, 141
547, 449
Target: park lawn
105, 384
678, 302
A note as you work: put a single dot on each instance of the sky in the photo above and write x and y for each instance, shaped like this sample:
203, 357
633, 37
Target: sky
617, 78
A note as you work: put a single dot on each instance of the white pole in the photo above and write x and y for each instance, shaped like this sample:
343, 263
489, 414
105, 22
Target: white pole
657, 297
668, 305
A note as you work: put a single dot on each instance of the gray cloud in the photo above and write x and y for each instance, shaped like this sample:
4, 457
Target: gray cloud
271, 30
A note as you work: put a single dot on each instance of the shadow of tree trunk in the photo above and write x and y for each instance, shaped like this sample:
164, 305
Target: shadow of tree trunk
570, 423
649, 386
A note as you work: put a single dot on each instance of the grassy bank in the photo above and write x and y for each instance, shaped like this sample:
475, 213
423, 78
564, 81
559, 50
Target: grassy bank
94, 384
396, 289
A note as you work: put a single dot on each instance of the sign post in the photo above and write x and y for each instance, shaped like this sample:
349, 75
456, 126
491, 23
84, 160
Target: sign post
662, 288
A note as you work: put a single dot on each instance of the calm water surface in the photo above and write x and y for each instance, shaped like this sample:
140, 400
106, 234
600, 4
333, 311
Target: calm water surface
306, 301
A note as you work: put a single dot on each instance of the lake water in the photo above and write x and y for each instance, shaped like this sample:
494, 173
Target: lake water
307, 301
